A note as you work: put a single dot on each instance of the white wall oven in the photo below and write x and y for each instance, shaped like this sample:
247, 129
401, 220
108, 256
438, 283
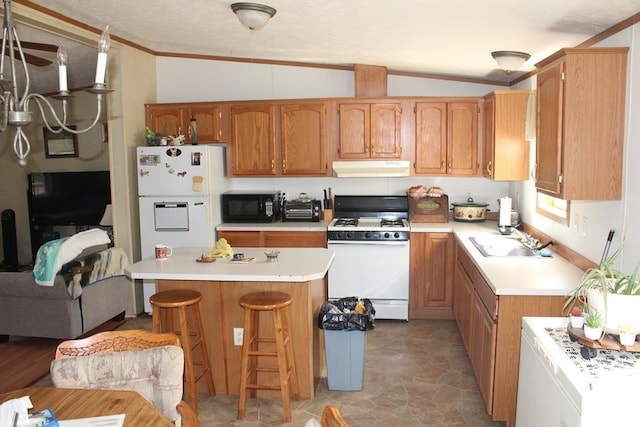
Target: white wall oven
370, 238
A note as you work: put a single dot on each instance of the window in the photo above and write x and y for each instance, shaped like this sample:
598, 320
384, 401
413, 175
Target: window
553, 208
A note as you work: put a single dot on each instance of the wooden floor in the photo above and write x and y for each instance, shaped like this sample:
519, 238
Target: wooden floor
23, 361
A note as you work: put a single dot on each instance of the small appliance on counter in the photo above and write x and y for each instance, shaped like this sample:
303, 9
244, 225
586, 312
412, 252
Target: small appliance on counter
303, 208
470, 211
251, 206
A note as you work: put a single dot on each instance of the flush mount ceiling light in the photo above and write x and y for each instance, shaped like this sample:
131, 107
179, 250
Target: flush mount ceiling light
510, 60
254, 16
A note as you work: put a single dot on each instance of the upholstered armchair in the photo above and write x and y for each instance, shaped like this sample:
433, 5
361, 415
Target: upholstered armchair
149, 363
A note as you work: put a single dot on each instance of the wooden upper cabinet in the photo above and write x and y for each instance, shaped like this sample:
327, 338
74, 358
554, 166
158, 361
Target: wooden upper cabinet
431, 137
370, 131
580, 123
506, 152
166, 119
253, 141
385, 131
303, 139
549, 138
462, 130
211, 122
446, 138
175, 119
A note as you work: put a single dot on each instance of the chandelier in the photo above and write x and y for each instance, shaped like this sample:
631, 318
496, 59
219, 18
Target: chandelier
15, 102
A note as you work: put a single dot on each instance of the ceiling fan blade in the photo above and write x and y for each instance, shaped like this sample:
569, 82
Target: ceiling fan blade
34, 60
39, 46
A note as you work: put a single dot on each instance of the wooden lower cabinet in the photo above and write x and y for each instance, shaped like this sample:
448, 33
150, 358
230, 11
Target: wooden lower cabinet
275, 239
431, 277
490, 327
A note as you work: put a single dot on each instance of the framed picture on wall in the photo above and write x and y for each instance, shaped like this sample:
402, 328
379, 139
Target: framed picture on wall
62, 144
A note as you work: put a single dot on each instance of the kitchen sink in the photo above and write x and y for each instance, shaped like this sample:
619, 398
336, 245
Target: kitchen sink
502, 246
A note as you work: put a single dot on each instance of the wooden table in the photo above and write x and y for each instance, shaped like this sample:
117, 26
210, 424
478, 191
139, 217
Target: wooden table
69, 404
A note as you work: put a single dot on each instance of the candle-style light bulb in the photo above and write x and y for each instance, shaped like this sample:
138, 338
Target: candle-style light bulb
103, 48
62, 57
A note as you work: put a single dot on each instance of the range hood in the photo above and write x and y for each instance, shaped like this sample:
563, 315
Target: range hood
371, 168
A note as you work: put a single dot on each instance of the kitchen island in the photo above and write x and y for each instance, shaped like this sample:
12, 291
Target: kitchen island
300, 272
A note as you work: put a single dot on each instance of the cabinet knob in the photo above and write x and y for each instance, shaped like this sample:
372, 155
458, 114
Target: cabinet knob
449, 166
489, 171
442, 165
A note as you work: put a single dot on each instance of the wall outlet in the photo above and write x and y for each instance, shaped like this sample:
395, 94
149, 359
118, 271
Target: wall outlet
585, 226
237, 336
574, 222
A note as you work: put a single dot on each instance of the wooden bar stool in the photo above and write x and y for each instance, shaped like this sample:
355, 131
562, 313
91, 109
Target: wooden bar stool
181, 299
277, 303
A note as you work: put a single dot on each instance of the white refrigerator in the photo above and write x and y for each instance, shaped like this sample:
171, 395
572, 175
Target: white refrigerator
179, 191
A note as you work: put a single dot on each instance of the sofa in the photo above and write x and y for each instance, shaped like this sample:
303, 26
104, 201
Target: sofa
78, 298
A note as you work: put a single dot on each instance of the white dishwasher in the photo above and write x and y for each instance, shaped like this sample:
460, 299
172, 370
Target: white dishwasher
558, 387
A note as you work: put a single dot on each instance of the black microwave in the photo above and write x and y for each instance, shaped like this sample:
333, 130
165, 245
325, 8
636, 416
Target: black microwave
251, 206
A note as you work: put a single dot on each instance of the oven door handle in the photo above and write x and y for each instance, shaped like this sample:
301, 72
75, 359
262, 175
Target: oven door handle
368, 242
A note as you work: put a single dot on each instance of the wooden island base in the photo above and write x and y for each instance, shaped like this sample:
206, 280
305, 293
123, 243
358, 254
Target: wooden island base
221, 313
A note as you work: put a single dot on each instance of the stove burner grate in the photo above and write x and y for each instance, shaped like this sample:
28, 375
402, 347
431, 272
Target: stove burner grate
391, 222
346, 222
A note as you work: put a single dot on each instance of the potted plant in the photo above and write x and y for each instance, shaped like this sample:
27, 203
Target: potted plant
628, 335
593, 326
577, 318
609, 292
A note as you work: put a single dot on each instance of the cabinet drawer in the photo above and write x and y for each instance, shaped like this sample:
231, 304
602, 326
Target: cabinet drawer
486, 295
465, 261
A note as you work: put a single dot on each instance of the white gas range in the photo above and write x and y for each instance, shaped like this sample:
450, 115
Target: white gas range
370, 237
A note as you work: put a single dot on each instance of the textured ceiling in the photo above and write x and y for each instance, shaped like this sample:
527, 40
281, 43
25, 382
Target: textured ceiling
452, 37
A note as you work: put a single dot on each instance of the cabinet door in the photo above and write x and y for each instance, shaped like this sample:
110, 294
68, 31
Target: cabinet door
253, 140
549, 129
462, 304
247, 239
431, 137
165, 119
506, 152
483, 350
303, 139
431, 271
295, 239
462, 138
210, 121
488, 137
355, 131
385, 131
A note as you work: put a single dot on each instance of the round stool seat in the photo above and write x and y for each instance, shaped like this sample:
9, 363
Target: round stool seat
263, 301
175, 298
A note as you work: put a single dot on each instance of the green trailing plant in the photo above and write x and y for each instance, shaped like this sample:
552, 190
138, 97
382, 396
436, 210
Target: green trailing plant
607, 279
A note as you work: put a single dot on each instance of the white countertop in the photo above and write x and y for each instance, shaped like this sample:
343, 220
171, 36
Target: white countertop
505, 275
511, 275
294, 265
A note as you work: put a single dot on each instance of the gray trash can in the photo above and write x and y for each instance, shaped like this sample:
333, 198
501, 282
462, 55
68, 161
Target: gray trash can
345, 341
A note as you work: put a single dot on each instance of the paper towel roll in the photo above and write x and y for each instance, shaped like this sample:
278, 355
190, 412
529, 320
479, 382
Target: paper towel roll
505, 212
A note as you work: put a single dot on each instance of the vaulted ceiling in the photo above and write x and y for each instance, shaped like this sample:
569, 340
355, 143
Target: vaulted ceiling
452, 38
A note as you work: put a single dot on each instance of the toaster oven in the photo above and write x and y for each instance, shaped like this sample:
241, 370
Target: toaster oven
295, 210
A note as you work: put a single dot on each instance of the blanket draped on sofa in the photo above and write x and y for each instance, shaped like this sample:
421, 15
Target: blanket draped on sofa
98, 266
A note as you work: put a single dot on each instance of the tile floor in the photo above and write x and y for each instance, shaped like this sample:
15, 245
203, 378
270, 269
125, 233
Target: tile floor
416, 374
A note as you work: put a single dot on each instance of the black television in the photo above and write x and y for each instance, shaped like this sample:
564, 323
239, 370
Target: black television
68, 198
